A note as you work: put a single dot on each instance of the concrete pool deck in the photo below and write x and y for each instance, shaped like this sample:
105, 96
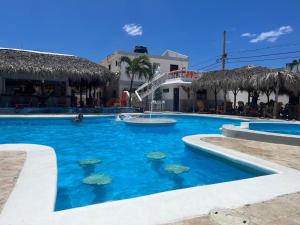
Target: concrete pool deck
11, 164
283, 210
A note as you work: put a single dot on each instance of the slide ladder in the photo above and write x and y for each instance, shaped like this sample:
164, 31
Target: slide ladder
150, 86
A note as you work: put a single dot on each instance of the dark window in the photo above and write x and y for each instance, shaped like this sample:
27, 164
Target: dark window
155, 66
116, 63
173, 67
114, 94
201, 95
166, 90
109, 67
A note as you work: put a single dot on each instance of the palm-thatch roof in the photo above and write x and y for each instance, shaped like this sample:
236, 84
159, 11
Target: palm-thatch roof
32, 64
248, 77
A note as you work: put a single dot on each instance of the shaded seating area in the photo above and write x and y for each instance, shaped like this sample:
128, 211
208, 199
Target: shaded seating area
255, 81
42, 79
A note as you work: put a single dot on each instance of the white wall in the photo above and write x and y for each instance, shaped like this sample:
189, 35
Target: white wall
243, 96
170, 94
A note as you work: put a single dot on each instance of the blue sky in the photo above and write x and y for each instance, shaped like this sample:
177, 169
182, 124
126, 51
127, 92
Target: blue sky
93, 29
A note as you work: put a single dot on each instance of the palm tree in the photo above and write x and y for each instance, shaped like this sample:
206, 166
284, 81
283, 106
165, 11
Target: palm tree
139, 67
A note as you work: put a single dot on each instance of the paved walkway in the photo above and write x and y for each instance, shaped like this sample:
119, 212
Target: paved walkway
284, 210
11, 164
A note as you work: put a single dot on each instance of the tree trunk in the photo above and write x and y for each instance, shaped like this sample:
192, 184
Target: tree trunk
276, 102
225, 101
80, 91
268, 97
215, 92
249, 92
130, 90
234, 100
86, 92
90, 90
194, 100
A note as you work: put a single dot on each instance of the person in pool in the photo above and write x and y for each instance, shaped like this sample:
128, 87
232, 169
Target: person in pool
78, 118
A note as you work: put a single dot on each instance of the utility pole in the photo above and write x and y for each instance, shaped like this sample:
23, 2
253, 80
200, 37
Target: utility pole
223, 58
224, 54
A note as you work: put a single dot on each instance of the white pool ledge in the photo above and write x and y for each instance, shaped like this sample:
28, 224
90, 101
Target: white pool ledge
34, 193
244, 132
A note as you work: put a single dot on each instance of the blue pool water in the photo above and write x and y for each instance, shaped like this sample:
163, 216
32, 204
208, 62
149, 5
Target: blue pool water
122, 149
282, 128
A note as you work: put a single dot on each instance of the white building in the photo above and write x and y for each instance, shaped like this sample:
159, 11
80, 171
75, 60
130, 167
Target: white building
172, 85
294, 66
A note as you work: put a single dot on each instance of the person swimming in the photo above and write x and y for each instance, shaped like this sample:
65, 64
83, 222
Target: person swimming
78, 118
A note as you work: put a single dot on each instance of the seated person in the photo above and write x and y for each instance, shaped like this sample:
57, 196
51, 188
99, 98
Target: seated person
246, 109
78, 118
261, 110
240, 108
269, 109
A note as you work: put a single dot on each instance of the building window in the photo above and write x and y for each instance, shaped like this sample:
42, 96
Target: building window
166, 90
155, 67
116, 63
109, 67
173, 67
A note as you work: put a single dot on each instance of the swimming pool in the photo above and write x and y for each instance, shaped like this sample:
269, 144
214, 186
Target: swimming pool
122, 150
282, 128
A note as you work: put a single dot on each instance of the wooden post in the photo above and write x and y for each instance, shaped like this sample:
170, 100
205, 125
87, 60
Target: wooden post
216, 103
234, 100
80, 93
225, 100
86, 92
276, 101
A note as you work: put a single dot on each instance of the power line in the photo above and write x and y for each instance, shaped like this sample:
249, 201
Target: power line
268, 47
205, 61
215, 67
255, 56
206, 67
217, 59
262, 60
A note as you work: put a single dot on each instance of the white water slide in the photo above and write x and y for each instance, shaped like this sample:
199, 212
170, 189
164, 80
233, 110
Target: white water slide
182, 77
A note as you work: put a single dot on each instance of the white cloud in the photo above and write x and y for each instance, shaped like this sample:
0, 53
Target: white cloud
248, 35
133, 29
272, 35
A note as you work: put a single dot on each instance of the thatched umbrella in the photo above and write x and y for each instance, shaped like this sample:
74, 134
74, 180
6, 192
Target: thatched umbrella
224, 79
219, 80
243, 78
246, 78
280, 80
208, 81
